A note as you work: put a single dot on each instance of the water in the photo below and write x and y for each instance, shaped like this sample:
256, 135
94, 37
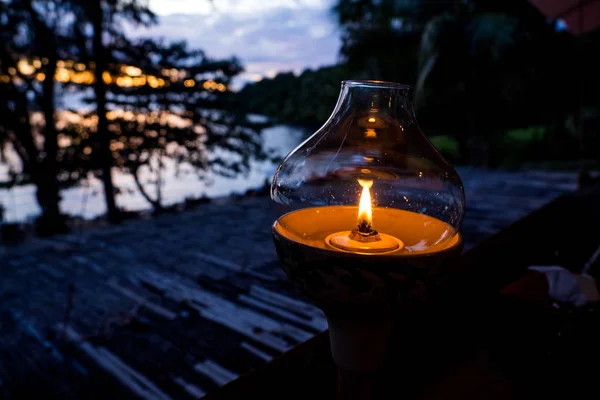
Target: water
87, 200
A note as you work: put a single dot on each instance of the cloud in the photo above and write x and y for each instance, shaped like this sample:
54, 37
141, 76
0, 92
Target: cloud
167, 7
272, 40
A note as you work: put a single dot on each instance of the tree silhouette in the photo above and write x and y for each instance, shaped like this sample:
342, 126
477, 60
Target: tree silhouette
380, 38
180, 117
484, 69
40, 33
106, 19
479, 67
306, 100
181, 102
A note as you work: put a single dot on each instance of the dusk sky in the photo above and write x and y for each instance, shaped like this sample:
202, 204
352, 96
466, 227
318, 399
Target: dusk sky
269, 36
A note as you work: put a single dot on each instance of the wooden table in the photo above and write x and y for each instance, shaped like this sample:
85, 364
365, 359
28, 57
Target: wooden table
494, 335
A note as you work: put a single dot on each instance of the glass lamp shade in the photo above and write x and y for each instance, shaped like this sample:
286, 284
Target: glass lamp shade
373, 136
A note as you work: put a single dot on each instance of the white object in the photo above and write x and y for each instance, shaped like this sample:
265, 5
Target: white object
568, 287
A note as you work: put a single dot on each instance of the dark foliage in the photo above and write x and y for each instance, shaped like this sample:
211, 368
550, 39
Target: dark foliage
181, 117
305, 100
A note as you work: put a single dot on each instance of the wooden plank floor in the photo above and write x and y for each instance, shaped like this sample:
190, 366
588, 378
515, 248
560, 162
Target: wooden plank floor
177, 306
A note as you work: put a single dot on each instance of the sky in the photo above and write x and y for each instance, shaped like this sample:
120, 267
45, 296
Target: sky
268, 36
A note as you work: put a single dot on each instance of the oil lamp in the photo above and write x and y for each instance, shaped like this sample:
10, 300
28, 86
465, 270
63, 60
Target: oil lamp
370, 218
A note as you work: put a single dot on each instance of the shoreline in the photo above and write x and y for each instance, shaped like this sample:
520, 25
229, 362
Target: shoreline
24, 231
14, 233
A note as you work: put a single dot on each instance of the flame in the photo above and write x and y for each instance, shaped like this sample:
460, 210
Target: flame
364, 207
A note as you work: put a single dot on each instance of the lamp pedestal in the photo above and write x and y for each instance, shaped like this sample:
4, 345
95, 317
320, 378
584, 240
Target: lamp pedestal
360, 294
358, 341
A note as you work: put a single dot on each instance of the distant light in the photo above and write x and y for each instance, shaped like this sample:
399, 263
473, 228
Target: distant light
114, 146
131, 70
62, 75
106, 77
87, 77
64, 141
77, 78
67, 71
371, 120
212, 85
560, 25
189, 83
138, 81
124, 81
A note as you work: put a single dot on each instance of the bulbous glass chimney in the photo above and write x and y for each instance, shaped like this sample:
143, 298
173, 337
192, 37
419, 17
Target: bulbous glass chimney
373, 136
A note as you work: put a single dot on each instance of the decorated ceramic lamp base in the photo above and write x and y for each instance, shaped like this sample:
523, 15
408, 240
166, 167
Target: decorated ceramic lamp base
360, 292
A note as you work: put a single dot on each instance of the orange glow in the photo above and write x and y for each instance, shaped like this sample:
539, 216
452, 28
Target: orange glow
124, 81
364, 206
405, 226
76, 78
371, 120
212, 85
115, 146
25, 68
131, 70
69, 71
62, 75
88, 77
